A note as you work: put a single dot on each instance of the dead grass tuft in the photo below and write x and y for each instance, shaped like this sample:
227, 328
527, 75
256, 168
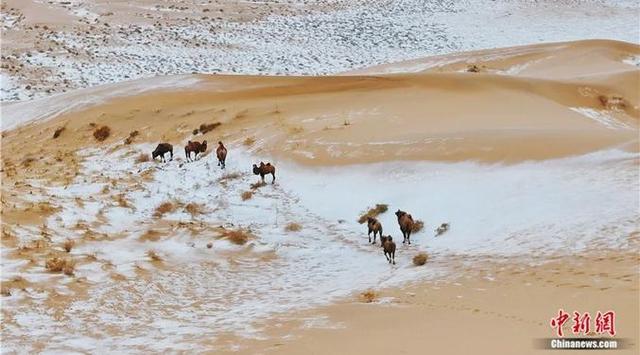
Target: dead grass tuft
209, 245
420, 259
165, 207
102, 133
208, 127
63, 265
132, 135
154, 256
68, 245
368, 296
249, 141
239, 236
473, 68
612, 102
373, 212
293, 227
142, 158
417, 226
58, 132
229, 176
193, 208
258, 185
246, 195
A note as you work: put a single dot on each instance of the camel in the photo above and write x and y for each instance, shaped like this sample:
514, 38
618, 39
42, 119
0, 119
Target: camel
406, 225
265, 169
389, 248
161, 150
221, 153
374, 226
195, 147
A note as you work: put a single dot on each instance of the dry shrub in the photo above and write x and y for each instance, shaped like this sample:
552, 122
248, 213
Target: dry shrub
246, 195
102, 133
64, 265
293, 227
368, 296
154, 256
68, 245
420, 259
258, 185
249, 141
473, 69
58, 132
165, 207
132, 135
205, 128
239, 236
241, 114
373, 212
417, 226
150, 235
193, 208
209, 245
142, 158
28, 161
612, 102
229, 176
195, 131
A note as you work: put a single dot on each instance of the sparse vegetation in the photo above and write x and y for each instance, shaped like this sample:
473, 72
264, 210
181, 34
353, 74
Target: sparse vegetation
208, 127
249, 141
154, 256
612, 102
473, 68
373, 212
258, 185
417, 226
68, 245
58, 132
193, 208
132, 135
368, 296
142, 158
209, 245
165, 207
420, 259
239, 236
293, 227
246, 195
102, 133
229, 176
241, 114
63, 265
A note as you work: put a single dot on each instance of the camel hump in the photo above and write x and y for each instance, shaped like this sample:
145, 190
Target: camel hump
268, 164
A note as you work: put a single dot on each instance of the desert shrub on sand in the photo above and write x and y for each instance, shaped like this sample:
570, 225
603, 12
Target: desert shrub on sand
208, 127
238, 236
246, 195
142, 158
258, 185
58, 132
153, 255
417, 226
132, 135
229, 176
68, 245
473, 68
102, 133
368, 296
193, 208
373, 212
209, 245
57, 264
165, 207
293, 227
249, 141
420, 259
612, 102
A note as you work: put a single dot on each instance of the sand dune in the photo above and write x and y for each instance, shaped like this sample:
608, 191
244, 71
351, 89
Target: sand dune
530, 156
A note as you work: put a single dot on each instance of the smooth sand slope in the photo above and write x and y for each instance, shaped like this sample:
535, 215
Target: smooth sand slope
512, 105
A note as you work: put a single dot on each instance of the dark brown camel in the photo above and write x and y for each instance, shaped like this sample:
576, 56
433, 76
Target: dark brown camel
161, 150
374, 226
195, 147
221, 152
406, 225
389, 248
265, 169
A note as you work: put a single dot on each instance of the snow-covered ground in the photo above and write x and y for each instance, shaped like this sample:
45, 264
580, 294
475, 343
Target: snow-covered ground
554, 207
359, 35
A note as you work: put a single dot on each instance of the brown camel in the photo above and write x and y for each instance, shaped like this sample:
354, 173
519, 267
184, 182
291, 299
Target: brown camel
221, 152
161, 150
265, 169
389, 248
195, 147
406, 225
374, 226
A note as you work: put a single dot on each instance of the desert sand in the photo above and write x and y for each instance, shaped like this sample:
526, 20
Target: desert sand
144, 278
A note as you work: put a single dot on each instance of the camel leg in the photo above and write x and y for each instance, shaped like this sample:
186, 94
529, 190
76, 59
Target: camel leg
409, 237
385, 255
274, 178
369, 235
171, 154
262, 176
393, 256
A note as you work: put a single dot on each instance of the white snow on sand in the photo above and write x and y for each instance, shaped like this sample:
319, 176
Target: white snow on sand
560, 206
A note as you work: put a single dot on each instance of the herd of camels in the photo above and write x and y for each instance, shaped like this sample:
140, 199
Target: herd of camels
405, 220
